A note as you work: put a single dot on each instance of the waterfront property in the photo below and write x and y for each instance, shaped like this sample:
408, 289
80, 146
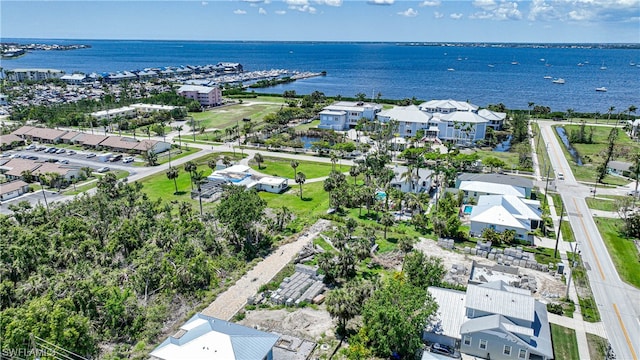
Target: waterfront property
506, 212
75, 79
447, 120
474, 189
491, 321
205, 95
129, 111
206, 337
344, 115
241, 175
33, 74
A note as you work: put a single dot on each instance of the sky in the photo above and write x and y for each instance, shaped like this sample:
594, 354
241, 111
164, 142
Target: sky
538, 21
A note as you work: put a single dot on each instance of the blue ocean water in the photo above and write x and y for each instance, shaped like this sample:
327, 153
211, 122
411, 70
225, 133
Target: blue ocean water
395, 71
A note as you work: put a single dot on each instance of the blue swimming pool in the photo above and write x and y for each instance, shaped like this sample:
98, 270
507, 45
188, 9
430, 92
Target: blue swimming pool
380, 195
467, 209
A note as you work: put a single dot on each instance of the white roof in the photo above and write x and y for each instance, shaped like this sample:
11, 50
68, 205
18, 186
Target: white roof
489, 188
73, 77
448, 104
451, 311
152, 107
463, 117
351, 106
197, 88
272, 181
236, 169
113, 111
409, 113
497, 215
499, 301
519, 207
332, 112
492, 115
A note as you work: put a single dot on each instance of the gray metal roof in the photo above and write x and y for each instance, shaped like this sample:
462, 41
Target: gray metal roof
498, 179
503, 302
450, 314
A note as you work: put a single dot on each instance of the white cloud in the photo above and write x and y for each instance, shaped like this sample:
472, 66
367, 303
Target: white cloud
204, 3
304, 8
296, 2
456, 16
239, 12
580, 15
505, 10
262, 11
430, 3
329, 2
485, 4
438, 15
540, 9
583, 10
280, 12
409, 13
381, 2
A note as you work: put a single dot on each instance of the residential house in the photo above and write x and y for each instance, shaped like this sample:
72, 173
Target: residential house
513, 180
12, 169
70, 136
230, 67
410, 119
410, 182
495, 119
120, 77
241, 175
506, 212
146, 75
148, 108
619, 168
207, 338
67, 172
110, 114
45, 135
461, 127
475, 189
4, 99
10, 141
343, 115
491, 321
205, 95
634, 128
75, 79
273, 184
13, 189
22, 131
155, 146
90, 140
33, 74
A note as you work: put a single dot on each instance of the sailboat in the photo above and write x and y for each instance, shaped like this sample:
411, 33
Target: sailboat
601, 89
558, 81
603, 67
514, 62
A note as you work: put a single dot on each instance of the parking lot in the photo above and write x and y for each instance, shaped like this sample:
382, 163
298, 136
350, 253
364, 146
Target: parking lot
95, 160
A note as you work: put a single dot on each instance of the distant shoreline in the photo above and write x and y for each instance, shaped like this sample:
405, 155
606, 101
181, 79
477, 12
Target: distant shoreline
397, 43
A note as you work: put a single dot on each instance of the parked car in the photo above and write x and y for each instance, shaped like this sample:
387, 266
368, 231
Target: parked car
560, 176
127, 160
115, 158
441, 349
31, 157
71, 152
103, 169
7, 154
64, 162
51, 150
31, 147
60, 151
90, 155
40, 148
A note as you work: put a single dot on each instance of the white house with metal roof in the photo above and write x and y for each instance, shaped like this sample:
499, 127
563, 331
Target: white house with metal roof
495, 119
491, 321
475, 189
344, 115
207, 338
506, 212
447, 106
410, 119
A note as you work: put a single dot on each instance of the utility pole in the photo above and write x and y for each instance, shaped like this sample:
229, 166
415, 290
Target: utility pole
44, 193
555, 253
547, 185
571, 262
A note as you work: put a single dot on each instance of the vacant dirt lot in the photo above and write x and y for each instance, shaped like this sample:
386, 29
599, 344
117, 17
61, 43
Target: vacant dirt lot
305, 323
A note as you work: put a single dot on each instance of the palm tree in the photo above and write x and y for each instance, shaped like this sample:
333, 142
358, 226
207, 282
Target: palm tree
258, 159
179, 129
213, 163
354, 172
609, 112
27, 176
386, 221
300, 179
570, 113
198, 178
334, 160
172, 174
87, 171
530, 104
226, 161
294, 164
190, 167
631, 109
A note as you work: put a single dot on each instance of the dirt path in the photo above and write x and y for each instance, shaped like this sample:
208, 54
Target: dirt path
231, 301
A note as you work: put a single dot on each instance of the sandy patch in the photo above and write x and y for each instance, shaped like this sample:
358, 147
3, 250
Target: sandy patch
305, 323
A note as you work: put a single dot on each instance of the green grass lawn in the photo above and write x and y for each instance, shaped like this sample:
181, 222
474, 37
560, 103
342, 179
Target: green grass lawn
314, 202
600, 204
282, 167
567, 231
623, 251
541, 151
231, 115
591, 154
510, 159
565, 343
597, 347
91, 183
304, 127
176, 154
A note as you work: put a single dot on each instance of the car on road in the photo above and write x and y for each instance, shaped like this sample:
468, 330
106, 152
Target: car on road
103, 169
560, 176
115, 158
90, 155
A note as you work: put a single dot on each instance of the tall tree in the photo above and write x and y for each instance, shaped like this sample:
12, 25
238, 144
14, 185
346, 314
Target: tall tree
258, 159
300, 179
294, 165
198, 179
172, 174
179, 128
602, 168
239, 210
386, 221
354, 171
190, 167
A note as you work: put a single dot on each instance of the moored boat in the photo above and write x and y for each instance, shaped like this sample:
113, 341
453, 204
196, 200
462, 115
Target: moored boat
601, 89
558, 81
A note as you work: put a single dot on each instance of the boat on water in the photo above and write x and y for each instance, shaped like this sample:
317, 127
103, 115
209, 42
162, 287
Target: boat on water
491, 65
601, 89
558, 81
603, 67
12, 53
548, 77
631, 63
580, 64
451, 69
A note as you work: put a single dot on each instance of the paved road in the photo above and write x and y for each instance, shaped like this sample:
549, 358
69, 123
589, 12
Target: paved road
618, 302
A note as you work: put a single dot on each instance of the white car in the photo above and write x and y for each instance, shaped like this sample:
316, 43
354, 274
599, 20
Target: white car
31, 147
560, 176
90, 155
103, 169
127, 160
